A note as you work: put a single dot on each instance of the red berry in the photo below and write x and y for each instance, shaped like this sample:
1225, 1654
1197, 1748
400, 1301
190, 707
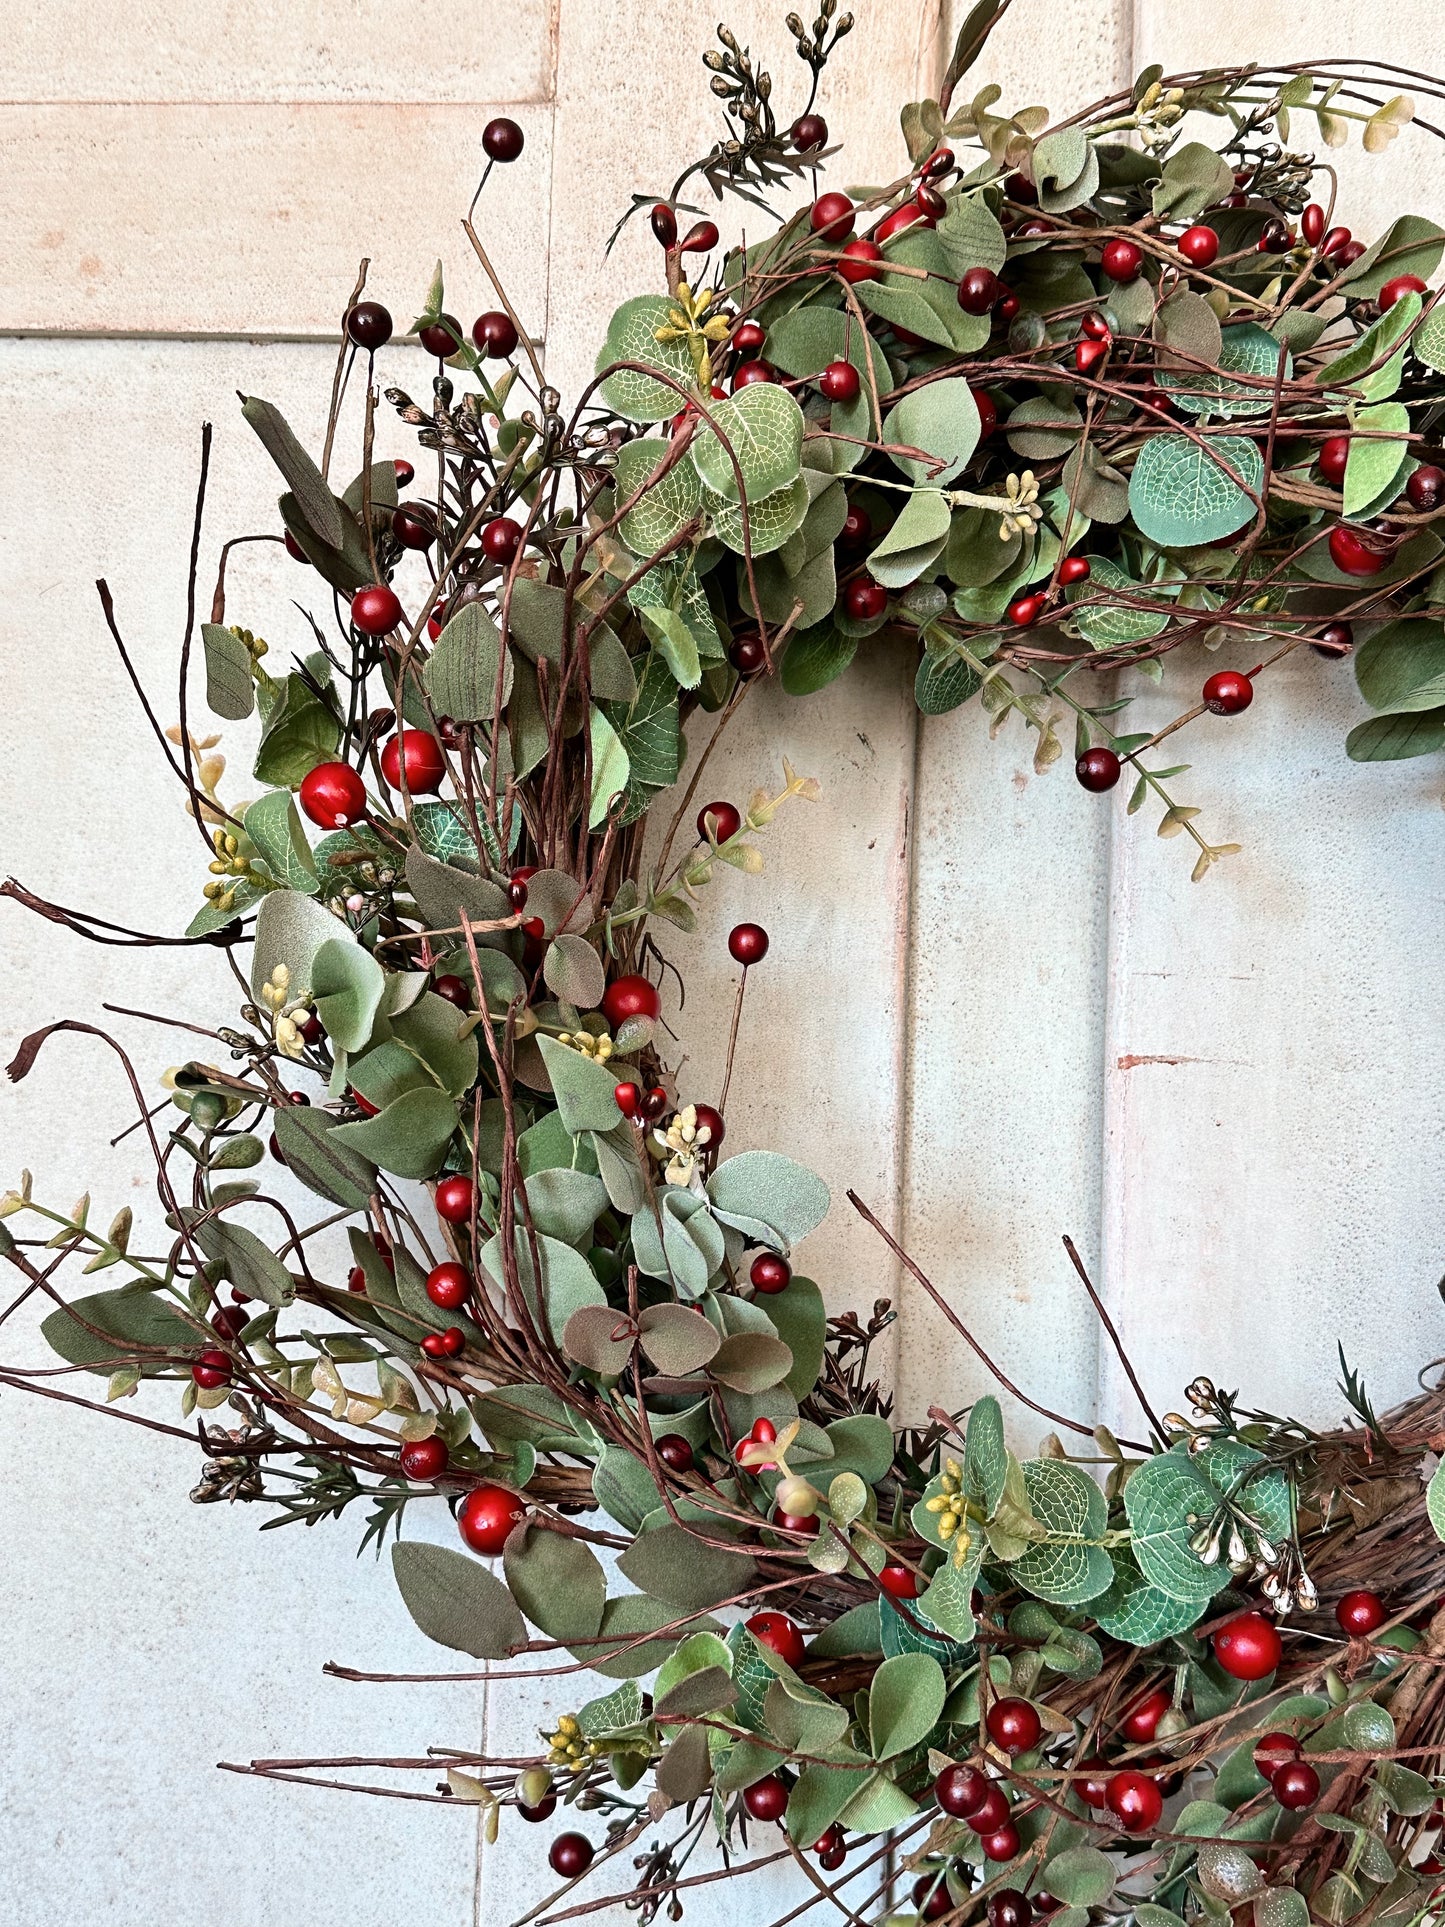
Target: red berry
543, 1810
753, 371
628, 997
979, 289
747, 655
858, 261
961, 1790
1014, 1725
770, 1273
369, 325
441, 337
1333, 455
1275, 238
1335, 639
1094, 326
1008, 307
1141, 1722
766, 1799
376, 609
1426, 488
898, 1582
1227, 692
940, 161
747, 943
570, 1855
929, 202
1089, 354
454, 990
446, 1285
211, 1369
839, 382
991, 1813
987, 412
230, 1321
502, 140
831, 1848
1296, 1785
1347, 255
333, 795
809, 132
1003, 1844
864, 599
424, 1459
413, 528
495, 335
1135, 1801
1360, 1613
901, 217
675, 1452
487, 1516
294, 549
1199, 245
1094, 1791
421, 756
1354, 553
311, 1028
1400, 284
1312, 223
699, 239
1027, 609
719, 821
654, 1103
628, 1099
664, 224
931, 1896
748, 338
1033, 230
1248, 1647
764, 1431
1073, 568
501, 539
1121, 260
1337, 238
1018, 187
857, 526
405, 473
363, 1104
1009, 1908
778, 1633
455, 1197
832, 217
711, 1121
1098, 769
1274, 1750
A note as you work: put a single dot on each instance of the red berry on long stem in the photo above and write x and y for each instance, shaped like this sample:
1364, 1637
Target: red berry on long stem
501, 538
441, 337
212, 1369
664, 224
570, 1855
747, 943
502, 139
375, 610
1399, 286
808, 133
839, 382
1074, 568
495, 335
1228, 692
1312, 223
369, 325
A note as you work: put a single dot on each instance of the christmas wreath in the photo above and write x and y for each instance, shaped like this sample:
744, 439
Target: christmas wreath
1092, 392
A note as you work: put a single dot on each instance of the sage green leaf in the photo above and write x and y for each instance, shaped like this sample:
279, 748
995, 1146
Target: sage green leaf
668, 505
1402, 666
431, 1033
559, 901
1427, 345
1390, 739
985, 1456
1109, 625
820, 1796
815, 658
619, 1168
1100, 491
879, 1806
1227, 1873
610, 768
300, 732
675, 643
548, 1143
622, 1484
947, 1600
1281, 1907
583, 1088
385, 1073
970, 236
1079, 1876
685, 1769
230, 686
1412, 245
691, 1248
557, 1581
801, 1321
456, 1601
126, 1319
408, 1137
1244, 350
766, 1187
915, 541
565, 1203
330, 1169
273, 825
761, 430
442, 894
940, 418
623, 1619
1194, 178
572, 970
596, 1337
323, 513
706, 1690
928, 308
568, 1282
348, 985
1379, 350
460, 677
751, 1362
801, 1718
648, 726
944, 683
863, 1444
1140, 1614
1159, 1498
1067, 1568
1187, 329
1066, 170
1042, 427
247, 1261
632, 336
679, 1341
669, 1563
904, 1702
1404, 1791
854, 1632
1180, 496
768, 523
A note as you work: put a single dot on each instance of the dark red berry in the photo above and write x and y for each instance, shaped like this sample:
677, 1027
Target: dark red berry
929, 202
1275, 238
570, 1855
369, 325
1018, 187
809, 132
864, 599
766, 1799
1003, 1844
991, 1813
901, 217
1337, 238
664, 224
376, 609
747, 655
455, 1197
700, 239
628, 997
333, 795
295, 550
628, 1099
748, 338
1335, 639
1227, 692
1098, 769
405, 473
1296, 1786
1014, 1725
501, 538
1360, 1613
1334, 454
211, 1369
753, 371
1094, 327
979, 289
1121, 260
1199, 245
1348, 254
454, 990
857, 527
447, 1285
444, 1344
495, 335
654, 1103
441, 337
502, 140
1274, 1750
939, 162
230, 1321
543, 1810
832, 217
424, 1459
1009, 1908
1135, 1801
931, 1896
987, 412
1248, 1646
711, 1121
770, 1273
961, 1790
413, 528
1008, 307
1312, 223
418, 753
719, 821
1094, 1791
858, 261
1426, 488
747, 943
675, 1452
839, 382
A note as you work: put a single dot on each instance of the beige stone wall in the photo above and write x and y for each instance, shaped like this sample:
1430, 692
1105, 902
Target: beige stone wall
1008, 1014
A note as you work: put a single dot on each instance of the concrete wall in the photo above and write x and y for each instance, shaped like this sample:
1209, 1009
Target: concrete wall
1011, 1015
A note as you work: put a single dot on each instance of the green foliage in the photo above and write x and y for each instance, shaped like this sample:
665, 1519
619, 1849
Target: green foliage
1181, 495
456, 1601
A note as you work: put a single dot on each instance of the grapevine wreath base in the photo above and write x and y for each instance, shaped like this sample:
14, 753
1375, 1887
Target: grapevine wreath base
1092, 392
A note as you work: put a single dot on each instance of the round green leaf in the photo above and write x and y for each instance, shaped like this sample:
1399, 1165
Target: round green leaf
1180, 496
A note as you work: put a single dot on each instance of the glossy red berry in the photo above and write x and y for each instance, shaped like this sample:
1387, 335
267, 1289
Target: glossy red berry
1141, 1722
369, 325
747, 943
857, 527
1348, 254
455, 1197
718, 821
311, 1028
362, 1103
1274, 1750
211, 1369
570, 1855
1002, 1844
1360, 1613
1199, 245
776, 1631
979, 289
1095, 327
1018, 187
230, 1321
1014, 1725
501, 539
424, 1459
502, 140
1354, 553
747, 655
1248, 1646
711, 1121
1334, 454
294, 549
543, 1810
808, 133
333, 795
1275, 238
832, 217
1296, 1786
903, 217
1135, 1801
1335, 639
495, 335
1227, 692
898, 1582
441, 337
1098, 769
413, 528
991, 1813
1009, 1908
766, 1799
405, 473
931, 1896
447, 1285
830, 1842
748, 338
420, 755
699, 239
1094, 1790
839, 382
487, 1516
764, 1431
1033, 230
1026, 610
664, 224
1121, 261
654, 1103
961, 1790
1337, 238
628, 997
1396, 287
858, 261
987, 412
628, 1099
752, 372
1074, 568
1425, 489
770, 1273
454, 990
864, 599
1312, 224
1088, 355
376, 609
675, 1452
929, 202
